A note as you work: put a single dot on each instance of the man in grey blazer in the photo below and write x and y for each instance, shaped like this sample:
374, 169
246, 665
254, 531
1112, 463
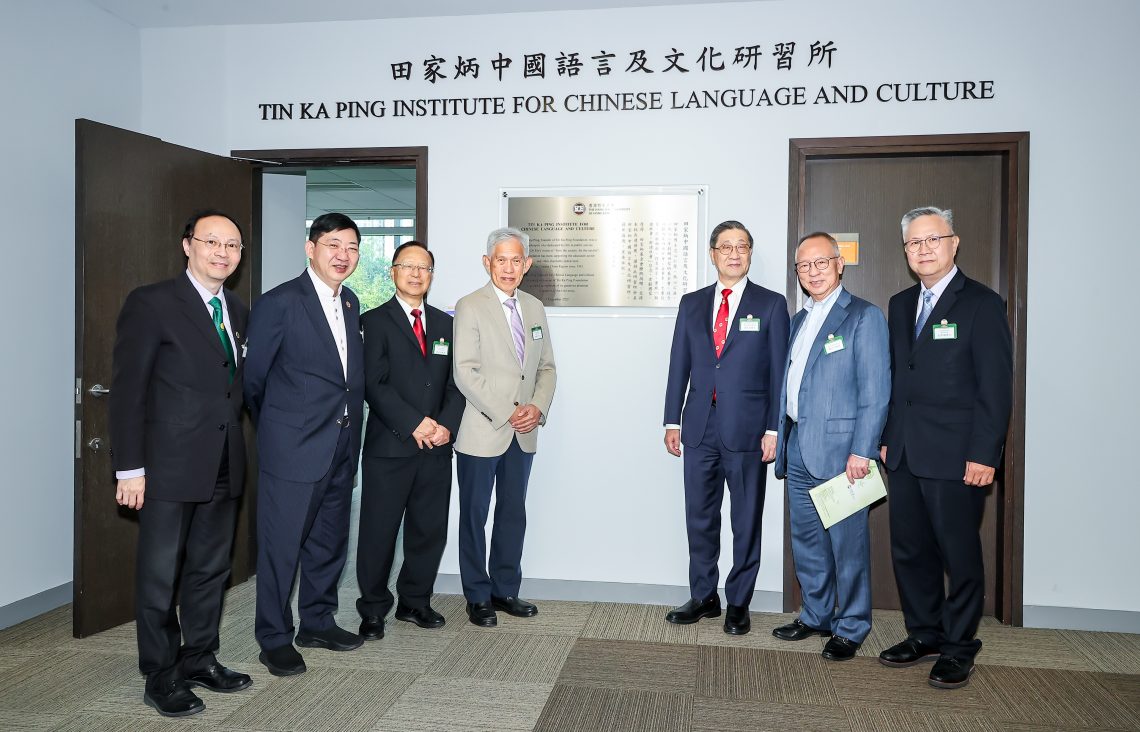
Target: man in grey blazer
836, 387
504, 366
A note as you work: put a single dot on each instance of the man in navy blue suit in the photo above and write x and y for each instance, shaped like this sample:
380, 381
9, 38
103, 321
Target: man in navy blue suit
833, 405
951, 396
725, 367
304, 383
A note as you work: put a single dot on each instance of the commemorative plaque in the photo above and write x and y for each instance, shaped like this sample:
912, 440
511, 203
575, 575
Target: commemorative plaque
620, 249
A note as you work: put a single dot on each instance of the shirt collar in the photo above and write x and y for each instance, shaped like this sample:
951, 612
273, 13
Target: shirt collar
736, 289
205, 294
503, 297
826, 302
323, 290
408, 308
941, 285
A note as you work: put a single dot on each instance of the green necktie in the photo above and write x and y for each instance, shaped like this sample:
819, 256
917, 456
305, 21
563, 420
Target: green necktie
219, 326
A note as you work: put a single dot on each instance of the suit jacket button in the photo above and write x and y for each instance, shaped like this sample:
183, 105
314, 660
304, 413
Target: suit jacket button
225, 363
428, 386
227, 395
523, 377
221, 427
910, 366
718, 365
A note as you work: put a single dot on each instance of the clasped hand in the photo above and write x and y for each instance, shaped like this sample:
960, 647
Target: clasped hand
431, 434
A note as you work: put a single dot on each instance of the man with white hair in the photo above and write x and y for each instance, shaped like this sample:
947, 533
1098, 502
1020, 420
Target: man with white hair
504, 366
951, 395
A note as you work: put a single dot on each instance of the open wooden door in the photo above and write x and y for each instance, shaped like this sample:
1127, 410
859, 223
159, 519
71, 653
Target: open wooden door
133, 195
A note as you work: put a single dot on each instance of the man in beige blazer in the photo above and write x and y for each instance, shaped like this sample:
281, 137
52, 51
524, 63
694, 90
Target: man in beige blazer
504, 366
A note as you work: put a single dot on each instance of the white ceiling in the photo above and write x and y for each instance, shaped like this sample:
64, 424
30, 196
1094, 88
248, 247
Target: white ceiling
167, 13
361, 192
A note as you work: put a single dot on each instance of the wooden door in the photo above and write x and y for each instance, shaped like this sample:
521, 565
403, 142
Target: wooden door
864, 186
133, 196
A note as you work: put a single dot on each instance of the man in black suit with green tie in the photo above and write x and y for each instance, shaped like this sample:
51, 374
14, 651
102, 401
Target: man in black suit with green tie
179, 458
415, 413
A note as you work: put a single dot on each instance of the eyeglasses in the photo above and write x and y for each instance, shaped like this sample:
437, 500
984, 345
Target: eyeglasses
820, 264
212, 245
913, 245
727, 249
417, 268
336, 247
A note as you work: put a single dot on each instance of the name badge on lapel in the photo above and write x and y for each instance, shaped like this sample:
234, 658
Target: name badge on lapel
750, 324
440, 347
536, 333
946, 331
832, 344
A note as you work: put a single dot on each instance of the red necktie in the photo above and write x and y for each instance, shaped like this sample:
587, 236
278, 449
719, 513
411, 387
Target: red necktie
418, 329
720, 327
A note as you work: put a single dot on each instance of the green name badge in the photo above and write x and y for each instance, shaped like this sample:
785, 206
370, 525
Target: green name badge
440, 347
945, 331
536, 333
832, 344
750, 324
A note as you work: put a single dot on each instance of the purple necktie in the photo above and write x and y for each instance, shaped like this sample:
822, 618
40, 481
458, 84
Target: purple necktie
516, 328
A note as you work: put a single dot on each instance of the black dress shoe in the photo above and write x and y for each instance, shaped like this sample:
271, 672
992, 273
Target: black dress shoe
797, 631
217, 677
372, 627
334, 638
950, 673
694, 610
839, 648
514, 606
424, 616
172, 698
737, 621
482, 614
908, 653
283, 661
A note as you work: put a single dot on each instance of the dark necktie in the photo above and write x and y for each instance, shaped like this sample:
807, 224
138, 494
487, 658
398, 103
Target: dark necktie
216, 306
418, 329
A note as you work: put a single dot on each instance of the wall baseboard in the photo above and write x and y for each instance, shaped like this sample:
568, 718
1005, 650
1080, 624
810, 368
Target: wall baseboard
637, 594
38, 604
1080, 618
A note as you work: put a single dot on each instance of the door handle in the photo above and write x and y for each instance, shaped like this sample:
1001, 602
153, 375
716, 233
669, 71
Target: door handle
95, 443
98, 390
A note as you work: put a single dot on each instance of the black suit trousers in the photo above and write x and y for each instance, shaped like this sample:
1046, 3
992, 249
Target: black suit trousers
937, 556
416, 490
184, 554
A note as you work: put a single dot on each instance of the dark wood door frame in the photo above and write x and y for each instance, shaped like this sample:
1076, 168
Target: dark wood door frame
1014, 149
416, 157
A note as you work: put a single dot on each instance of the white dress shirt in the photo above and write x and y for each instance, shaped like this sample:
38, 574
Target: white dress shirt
938, 288
408, 311
334, 314
801, 347
206, 296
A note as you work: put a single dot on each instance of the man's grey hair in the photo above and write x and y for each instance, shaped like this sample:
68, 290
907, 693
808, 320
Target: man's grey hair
507, 232
819, 235
946, 214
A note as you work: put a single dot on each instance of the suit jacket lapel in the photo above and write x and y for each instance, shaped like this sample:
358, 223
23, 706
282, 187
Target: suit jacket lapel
312, 303
831, 324
198, 314
396, 312
941, 309
495, 306
350, 308
237, 323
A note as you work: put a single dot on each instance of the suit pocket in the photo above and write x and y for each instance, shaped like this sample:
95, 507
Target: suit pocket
274, 414
840, 426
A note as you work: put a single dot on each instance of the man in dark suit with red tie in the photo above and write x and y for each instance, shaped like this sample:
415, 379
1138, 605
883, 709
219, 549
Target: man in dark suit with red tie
304, 382
415, 409
722, 402
951, 396
179, 458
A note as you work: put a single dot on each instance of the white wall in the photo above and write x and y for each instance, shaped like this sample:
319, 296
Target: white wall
605, 499
62, 59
